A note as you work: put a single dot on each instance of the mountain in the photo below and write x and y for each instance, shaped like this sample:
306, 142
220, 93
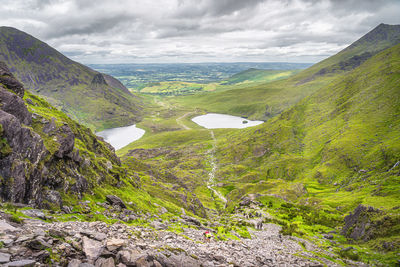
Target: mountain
378, 39
95, 99
264, 101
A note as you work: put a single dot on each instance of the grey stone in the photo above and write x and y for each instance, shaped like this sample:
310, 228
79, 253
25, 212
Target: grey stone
128, 256
74, 263
102, 262
115, 201
24, 238
158, 225
5, 227
191, 220
114, 244
34, 213
38, 244
7, 241
66, 139
4, 257
21, 263
53, 197
14, 105
99, 236
9, 81
91, 248
57, 233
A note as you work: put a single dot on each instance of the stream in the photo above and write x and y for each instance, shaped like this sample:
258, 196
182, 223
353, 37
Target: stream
213, 163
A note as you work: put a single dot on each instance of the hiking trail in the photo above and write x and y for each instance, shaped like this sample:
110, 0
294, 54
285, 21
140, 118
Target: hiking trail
213, 163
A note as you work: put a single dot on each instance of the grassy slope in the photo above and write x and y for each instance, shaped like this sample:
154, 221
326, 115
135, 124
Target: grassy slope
267, 100
67, 84
337, 144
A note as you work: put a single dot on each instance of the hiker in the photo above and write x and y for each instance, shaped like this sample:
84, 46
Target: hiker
207, 236
258, 224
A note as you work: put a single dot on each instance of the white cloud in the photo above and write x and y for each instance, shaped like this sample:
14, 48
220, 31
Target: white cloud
198, 30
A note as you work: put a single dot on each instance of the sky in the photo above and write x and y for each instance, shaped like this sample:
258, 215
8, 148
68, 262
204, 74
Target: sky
164, 31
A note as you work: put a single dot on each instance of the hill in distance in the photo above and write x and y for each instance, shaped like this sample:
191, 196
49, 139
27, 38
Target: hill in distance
95, 99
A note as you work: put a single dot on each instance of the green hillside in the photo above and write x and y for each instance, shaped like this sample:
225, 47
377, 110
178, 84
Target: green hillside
333, 150
97, 100
263, 101
342, 140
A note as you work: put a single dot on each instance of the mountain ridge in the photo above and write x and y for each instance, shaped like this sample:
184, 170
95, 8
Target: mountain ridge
67, 84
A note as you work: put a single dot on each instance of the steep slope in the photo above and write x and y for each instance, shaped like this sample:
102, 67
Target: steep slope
341, 141
267, 100
380, 38
47, 160
95, 99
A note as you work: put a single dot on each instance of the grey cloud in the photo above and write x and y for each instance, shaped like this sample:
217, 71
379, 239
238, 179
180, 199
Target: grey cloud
122, 30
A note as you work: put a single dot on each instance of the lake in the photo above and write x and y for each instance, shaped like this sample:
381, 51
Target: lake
121, 136
214, 121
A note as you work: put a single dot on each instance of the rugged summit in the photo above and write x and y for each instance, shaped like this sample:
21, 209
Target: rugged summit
43, 153
93, 98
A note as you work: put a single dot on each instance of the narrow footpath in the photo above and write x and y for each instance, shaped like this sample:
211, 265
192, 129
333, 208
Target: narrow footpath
179, 120
213, 163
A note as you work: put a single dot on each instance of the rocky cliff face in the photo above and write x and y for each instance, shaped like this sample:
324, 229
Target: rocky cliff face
40, 159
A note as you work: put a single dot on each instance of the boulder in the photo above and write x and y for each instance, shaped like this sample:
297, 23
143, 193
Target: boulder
115, 201
191, 220
53, 197
357, 224
245, 201
49, 127
38, 244
9, 81
102, 262
91, 248
158, 225
5, 227
22, 263
142, 262
4, 257
99, 236
177, 260
21, 180
115, 244
14, 105
66, 139
57, 233
128, 256
34, 213
74, 263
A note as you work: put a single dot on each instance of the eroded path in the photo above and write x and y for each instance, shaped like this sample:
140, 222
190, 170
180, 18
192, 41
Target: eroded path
213, 163
180, 122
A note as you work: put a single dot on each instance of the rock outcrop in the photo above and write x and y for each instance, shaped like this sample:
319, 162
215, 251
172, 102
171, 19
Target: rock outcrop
38, 155
358, 223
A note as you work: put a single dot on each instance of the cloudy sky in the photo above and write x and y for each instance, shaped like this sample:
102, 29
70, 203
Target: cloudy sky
123, 31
